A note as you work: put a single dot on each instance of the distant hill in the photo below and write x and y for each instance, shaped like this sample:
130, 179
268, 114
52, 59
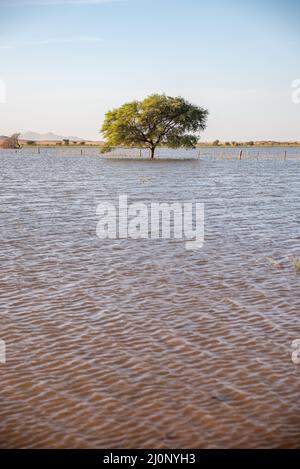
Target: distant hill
48, 137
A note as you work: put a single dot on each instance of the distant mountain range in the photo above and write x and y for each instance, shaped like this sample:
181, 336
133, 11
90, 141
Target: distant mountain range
48, 137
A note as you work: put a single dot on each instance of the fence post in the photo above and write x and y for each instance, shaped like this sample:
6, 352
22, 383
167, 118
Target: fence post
241, 153
285, 155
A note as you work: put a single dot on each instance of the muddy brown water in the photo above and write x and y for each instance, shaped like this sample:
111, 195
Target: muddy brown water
138, 343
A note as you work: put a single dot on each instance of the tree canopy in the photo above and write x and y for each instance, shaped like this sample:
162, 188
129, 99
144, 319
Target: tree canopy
158, 120
12, 142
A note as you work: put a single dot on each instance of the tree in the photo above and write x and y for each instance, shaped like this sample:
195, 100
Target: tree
66, 141
12, 142
157, 120
31, 142
216, 143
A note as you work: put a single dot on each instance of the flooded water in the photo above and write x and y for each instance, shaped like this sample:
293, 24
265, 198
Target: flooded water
139, 343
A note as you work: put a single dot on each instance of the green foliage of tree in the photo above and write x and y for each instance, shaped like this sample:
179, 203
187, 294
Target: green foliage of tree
158, 120
216, 143
66, 141
31, 142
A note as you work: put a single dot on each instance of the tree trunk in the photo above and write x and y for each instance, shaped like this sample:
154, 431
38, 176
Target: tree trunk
152, 152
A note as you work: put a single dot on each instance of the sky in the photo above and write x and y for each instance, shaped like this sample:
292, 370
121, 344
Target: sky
65, 63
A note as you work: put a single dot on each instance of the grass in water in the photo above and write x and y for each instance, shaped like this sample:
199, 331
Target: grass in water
296, 263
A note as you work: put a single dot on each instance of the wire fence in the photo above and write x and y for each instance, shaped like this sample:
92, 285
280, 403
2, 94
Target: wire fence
277, 153
259, 154
252, 154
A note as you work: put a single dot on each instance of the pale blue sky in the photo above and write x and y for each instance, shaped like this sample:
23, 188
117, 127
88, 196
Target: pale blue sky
66, 63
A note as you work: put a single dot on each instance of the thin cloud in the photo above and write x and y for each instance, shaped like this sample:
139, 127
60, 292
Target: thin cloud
52, 40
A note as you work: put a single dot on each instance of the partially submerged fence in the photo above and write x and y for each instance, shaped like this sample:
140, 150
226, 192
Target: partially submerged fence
268, 153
